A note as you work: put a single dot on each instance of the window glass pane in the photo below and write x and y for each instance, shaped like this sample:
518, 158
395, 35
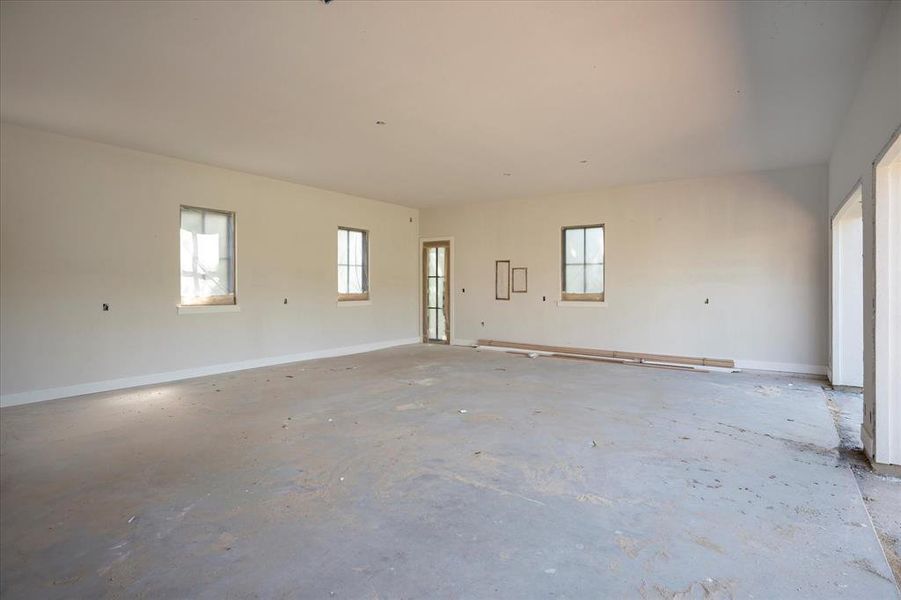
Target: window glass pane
187, 251
594, 279
217, 224
192, 220
342, 247
440, 264
187, 287
433, 292
594, 245
575, 279
440, 293
432, 254
355, 248
342, 279
442, 334
356, 280
206, 254
214, 284
575, 246
364, 261
433, 325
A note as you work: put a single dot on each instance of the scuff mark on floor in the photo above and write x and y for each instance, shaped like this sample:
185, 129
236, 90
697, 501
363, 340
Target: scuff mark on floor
706, 543
706, 589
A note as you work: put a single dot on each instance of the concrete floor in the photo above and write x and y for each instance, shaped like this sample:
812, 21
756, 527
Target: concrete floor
881, 494
360, 477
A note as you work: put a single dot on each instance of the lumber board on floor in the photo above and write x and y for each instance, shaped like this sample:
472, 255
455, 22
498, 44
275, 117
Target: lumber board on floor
614, 354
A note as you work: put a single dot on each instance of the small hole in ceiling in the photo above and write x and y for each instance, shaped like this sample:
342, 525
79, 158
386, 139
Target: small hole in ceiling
379, 122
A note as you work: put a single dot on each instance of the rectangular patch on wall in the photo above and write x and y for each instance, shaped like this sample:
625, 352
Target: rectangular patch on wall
502, 280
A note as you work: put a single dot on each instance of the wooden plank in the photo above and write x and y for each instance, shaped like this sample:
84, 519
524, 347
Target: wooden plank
551, 349
615, 354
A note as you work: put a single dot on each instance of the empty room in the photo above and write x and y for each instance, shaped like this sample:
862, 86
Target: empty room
450, 299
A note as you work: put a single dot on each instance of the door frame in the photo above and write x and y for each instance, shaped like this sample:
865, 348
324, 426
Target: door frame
836, 374
884, 447
451, 280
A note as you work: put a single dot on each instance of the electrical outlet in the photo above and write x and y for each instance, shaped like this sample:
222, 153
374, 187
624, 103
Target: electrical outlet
105, 307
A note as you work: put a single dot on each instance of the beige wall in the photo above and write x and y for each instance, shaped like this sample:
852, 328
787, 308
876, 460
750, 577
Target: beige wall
754, 244
86, 223
867, 128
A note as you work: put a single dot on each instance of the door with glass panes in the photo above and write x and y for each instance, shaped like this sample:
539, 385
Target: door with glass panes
436, 292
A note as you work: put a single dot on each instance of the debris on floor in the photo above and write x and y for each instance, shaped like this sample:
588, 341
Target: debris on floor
533, 500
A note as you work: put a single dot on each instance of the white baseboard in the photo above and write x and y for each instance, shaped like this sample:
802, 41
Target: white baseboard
154, 378
470, 343
758, 365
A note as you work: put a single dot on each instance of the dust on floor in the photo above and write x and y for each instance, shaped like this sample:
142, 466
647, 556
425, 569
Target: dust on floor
427, 471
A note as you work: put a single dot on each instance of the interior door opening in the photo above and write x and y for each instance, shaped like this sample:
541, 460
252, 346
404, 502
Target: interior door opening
882, 404
436, 292
847, 293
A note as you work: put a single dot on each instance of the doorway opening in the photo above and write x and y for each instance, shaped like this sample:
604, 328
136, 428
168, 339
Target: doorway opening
884, 420
847, 292
436, 325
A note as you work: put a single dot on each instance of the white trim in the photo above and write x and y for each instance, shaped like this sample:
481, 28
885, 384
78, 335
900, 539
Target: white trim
352, 303
837, 358
154, 378
453, 279
759, 365
205, 309
886, 390
459, 342
582, 303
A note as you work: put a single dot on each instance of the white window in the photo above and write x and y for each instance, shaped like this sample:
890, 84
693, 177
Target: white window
353, 264
207, 256
583, 263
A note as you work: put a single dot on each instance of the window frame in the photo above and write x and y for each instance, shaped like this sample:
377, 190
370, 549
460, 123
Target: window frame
583, 296
230, 299
364, 295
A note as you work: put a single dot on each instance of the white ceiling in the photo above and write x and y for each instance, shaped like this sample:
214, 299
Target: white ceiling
481, 100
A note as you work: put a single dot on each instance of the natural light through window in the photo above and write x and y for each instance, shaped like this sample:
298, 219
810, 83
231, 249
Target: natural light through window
207, 256
353, 264
583, 263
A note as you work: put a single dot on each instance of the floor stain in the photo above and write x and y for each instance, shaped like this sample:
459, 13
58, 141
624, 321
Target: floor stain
706, 543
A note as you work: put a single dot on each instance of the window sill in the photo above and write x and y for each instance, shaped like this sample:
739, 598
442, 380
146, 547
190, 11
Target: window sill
582, 303
352, 303
203, 309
